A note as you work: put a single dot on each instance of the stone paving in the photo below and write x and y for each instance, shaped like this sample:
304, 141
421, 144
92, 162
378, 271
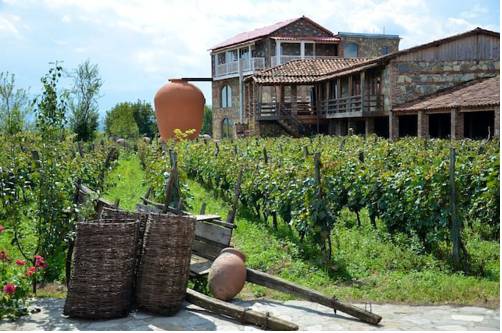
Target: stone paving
307, 315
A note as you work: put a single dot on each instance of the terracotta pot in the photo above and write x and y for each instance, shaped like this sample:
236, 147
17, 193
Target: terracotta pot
227, 274
179, 105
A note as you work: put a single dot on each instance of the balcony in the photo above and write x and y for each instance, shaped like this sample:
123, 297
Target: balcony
233, 68
351, 106
275, 61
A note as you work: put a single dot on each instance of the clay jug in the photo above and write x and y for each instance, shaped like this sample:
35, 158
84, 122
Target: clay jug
227, 274
179, 105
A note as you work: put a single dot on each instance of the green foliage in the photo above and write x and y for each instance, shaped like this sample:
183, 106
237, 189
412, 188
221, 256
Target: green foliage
83, 102
129, 120
403, 184
207, 123
14, 105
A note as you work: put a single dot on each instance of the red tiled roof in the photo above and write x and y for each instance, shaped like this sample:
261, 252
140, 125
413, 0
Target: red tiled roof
478, 93
262, 32
303, 71
313, 38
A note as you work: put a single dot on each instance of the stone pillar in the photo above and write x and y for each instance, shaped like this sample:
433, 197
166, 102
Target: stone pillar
393, 126
457, 124
497, 121
369, 126
422, 125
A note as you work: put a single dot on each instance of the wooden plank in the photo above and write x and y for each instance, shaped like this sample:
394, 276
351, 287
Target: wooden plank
269, 281
199, 266
213, 232
206, 249
206, 217
240, 313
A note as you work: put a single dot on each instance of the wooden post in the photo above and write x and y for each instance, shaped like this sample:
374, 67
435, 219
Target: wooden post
235, 201
363, 89
275, 283
265, 155
202, 210
216, 149
264, 320
305, 151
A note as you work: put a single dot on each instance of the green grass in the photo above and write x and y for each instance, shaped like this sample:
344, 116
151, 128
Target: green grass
367, 265
126, 182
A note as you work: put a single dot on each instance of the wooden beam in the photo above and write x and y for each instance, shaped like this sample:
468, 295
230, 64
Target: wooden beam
272, 282
197, 79
264, 320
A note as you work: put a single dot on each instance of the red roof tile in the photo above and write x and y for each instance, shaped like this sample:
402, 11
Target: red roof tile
470, 94
265, 31
304, 71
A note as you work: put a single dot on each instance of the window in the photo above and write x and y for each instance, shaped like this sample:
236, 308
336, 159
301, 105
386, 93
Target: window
221, 58
350, 50
244, 54
226, 97
384, 50
231, 56
226, 128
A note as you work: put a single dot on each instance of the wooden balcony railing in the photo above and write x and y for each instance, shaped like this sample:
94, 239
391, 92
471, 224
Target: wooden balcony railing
276, 110
351, 104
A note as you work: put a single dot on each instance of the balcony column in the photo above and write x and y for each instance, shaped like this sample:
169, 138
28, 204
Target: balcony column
369, 126
294, 100
422, 125
363, 91
302, 50
277, 53
250, 60
393, 126
496, 129
457, 124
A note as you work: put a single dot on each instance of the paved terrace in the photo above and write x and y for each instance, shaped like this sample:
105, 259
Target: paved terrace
308, 316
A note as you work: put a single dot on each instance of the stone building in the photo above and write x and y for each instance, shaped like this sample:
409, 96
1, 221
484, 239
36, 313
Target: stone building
245, 54
377, 95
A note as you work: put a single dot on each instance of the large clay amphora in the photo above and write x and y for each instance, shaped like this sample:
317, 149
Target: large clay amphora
227, 274
179, 105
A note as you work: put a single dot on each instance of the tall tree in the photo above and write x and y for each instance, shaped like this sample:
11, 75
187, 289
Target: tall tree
84, 101
14, 105
207, 124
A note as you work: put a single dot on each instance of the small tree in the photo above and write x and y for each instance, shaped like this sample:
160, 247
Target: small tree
83, 104
207, 124
145, 118
14, 105
120, 121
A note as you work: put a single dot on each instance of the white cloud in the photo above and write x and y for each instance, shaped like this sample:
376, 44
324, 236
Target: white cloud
9, 25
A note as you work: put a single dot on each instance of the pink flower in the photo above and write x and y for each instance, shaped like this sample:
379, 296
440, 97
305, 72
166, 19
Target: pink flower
9, 288
40, 262
2, 228
20, 262
3, 256
31, 270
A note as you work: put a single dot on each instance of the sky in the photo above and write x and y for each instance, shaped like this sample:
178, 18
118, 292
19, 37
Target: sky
139, 44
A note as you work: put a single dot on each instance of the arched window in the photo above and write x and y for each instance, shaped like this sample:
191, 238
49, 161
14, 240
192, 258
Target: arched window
226, 128
226, 97
350, 50
384, 50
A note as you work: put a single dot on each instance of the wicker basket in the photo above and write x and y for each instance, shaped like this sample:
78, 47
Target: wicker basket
164, 268
103, 269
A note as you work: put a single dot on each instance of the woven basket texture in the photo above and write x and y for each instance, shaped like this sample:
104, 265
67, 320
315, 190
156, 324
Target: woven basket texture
102, 273
164, 268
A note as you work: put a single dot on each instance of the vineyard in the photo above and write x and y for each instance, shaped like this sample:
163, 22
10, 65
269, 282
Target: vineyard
306, 184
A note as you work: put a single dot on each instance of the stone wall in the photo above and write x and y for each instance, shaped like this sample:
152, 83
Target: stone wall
369, 47
301, 28
220, 113
410, 80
